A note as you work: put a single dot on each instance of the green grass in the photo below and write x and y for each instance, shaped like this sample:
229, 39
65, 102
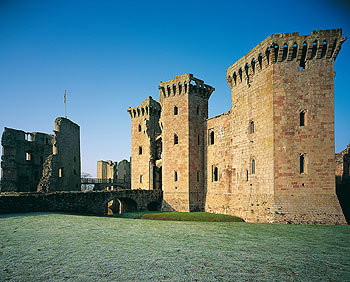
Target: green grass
193, 216
57, 247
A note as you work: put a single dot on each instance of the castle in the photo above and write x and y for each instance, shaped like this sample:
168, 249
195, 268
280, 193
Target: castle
270, 158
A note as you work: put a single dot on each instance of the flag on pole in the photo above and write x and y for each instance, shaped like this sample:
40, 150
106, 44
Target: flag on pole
65, 104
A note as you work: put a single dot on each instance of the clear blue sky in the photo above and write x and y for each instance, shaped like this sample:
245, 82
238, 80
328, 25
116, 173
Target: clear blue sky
110, 55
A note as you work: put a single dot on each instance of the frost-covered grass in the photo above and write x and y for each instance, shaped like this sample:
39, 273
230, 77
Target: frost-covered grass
191, 216
57, 247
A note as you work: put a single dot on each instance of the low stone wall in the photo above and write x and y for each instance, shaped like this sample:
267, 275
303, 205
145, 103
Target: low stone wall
92, 202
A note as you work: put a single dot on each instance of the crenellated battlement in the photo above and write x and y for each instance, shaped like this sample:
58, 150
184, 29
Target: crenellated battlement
184, 84
286, 47
147, 107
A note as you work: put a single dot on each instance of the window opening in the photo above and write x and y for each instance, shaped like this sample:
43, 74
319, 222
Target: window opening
302, 118
198, 176
251, 127
303, 56
140, 150
198, 140
175, 175
197, 110
176, 110
253, 166
28, 156
60, 172
216, 174
302, 163
176, 139
141, 178
212, 138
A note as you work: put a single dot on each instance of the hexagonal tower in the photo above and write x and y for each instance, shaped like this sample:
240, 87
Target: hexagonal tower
184, 102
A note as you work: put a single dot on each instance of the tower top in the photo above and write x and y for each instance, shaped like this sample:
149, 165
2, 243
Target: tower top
184, 84
146, 108
284, 47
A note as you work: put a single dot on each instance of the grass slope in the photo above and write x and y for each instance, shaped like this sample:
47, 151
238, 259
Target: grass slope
55, 247
192, 216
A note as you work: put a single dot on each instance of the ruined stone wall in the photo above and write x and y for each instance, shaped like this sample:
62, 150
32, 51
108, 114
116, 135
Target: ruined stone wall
22, 159
78, 202
144, 128
342, 166
107, 170
124, 172
62, 169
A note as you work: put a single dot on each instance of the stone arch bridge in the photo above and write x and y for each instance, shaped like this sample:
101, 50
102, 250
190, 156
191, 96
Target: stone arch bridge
92, 202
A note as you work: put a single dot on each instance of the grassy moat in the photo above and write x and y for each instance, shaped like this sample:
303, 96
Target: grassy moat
58, 247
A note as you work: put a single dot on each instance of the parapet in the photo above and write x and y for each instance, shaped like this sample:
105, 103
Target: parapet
184, 84
148, 107
284, 47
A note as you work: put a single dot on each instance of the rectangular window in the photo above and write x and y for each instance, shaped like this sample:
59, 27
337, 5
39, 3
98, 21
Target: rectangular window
141, 178
198, 175
251, 127
302, 163
28, 156
60, 172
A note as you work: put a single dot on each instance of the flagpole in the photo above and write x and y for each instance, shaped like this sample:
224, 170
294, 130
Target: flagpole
65, 103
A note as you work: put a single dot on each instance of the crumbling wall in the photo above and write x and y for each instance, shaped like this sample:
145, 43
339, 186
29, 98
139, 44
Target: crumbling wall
124, 172
23, 155
62, 169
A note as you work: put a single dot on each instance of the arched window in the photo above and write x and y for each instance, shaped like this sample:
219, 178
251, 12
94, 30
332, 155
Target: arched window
267, 54
174, 89
185, 86
285, 51
295, 50
140, 150
302, 163
176, 139
139, 128
302, 118
211, 138
251, 126
175, 175
253, 166
240, 72
180, 87
176, 110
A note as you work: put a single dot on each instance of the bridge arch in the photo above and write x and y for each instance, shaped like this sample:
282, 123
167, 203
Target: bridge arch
119, 205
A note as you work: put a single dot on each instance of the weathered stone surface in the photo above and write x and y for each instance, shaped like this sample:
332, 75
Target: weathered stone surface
31, 161
23, 154
62, 169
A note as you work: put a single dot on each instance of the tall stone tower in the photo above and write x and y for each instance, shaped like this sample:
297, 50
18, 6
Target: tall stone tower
144, 129
184, 102
283, 95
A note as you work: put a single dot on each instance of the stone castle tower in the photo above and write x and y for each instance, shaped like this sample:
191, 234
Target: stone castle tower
270, 158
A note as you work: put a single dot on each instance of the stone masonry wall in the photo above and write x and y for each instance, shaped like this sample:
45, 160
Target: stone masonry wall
62, 169
22, 159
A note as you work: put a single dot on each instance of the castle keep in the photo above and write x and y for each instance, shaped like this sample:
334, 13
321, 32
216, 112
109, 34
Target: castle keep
270, 158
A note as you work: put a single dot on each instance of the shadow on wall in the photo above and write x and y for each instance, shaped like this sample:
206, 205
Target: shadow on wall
343, 194
166, 207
